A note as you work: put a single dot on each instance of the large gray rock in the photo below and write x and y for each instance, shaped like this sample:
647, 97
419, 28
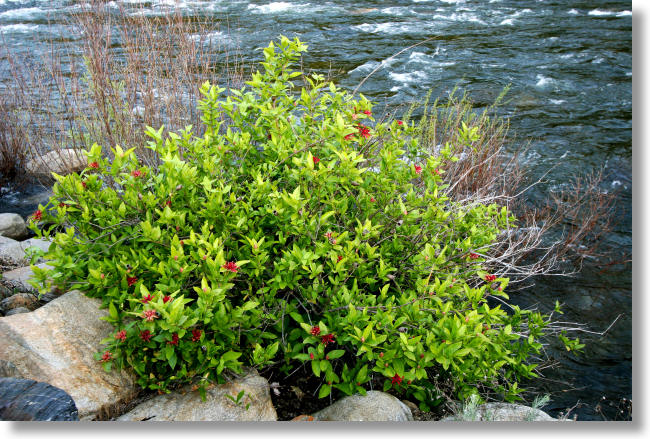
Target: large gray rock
29, 400
501, 411
186, 405
16, 250
4, 240
20, 277
56, 344
63, 162
375, 406
13, 226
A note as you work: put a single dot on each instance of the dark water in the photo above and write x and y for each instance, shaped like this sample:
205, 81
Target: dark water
569, 65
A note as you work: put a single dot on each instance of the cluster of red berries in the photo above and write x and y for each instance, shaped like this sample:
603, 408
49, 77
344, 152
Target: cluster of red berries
121, 335
149, 315
231, 266
146, 335
174, 340
364, 131
327, 339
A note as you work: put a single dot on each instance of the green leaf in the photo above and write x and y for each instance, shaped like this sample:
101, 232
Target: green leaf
315, 367
325, 390
112, 311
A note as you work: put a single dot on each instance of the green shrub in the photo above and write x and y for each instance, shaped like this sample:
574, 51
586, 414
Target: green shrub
296, 231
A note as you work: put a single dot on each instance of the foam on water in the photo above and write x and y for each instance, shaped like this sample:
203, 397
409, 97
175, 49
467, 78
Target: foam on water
542, 81
507, 21
276, 7
558, 102
397, 11
601, 13
428, 60
22, 13
386, 28
210, 37
408, 77
371, 65
573, 12
21, 28
460, 17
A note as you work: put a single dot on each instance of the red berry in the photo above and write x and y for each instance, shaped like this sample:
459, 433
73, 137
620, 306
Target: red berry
381, 355
311, 355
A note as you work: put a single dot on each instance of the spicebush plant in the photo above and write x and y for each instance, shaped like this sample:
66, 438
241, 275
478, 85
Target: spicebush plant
296, 231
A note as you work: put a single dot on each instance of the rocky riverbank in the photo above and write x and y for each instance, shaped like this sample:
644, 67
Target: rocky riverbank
48, 370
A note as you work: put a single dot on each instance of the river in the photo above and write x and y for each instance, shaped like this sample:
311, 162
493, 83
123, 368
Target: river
569, 65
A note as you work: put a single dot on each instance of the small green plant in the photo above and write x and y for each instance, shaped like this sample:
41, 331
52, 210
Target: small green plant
295, 231
239, 399
470, 409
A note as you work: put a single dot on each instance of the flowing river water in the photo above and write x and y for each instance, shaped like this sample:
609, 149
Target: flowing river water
569, 65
